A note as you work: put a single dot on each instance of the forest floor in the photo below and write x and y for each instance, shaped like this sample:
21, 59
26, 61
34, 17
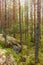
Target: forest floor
25, 57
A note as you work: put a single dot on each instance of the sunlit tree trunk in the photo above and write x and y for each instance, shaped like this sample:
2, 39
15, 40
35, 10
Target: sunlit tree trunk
8, 14
0, 15
0, 10
20, 23
31, 21
35, 18
42, 23
42, 15
5, 26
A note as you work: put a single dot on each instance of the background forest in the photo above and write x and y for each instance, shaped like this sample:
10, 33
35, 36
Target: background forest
21, 32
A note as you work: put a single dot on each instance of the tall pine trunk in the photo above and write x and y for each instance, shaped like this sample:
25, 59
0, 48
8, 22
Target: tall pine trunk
20, 23
26, 19
37, 31
31, 21
14, 15
5, 26
0, 15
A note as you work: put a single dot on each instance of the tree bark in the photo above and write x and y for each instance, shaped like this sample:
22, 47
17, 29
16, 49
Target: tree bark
20, 23
5, 25
31, 21
37, 31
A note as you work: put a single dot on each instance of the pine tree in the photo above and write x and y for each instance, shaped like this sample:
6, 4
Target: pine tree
37, 28
20, 23
31, 21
